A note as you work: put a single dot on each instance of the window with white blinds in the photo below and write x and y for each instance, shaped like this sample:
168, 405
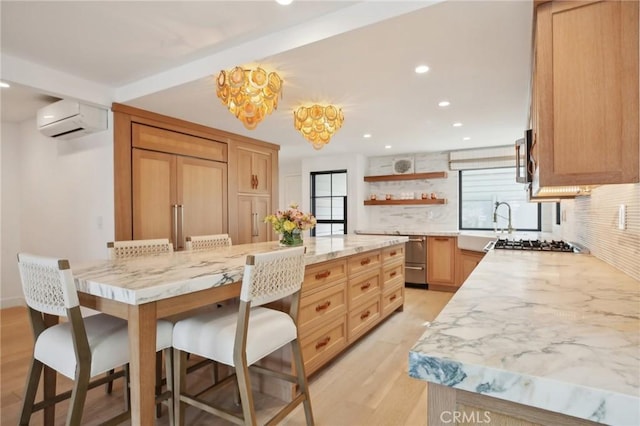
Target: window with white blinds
481, 189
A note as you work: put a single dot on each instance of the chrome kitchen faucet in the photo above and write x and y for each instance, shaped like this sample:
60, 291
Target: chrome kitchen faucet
496, 215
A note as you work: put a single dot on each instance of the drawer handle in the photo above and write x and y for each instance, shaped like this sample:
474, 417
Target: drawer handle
441, 239
365, 262
323, 342
393, 274
393, 253
363, 287
321, 275
392, 298
365, 315
324, 306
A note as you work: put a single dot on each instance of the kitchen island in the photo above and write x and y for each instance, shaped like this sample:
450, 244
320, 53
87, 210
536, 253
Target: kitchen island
351, 283
546, 338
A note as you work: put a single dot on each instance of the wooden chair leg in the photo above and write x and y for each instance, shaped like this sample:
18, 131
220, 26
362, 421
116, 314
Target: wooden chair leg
78, 395
246, 397
109, 386
302, 381
168, 359
158, 382
31, 388
179, 385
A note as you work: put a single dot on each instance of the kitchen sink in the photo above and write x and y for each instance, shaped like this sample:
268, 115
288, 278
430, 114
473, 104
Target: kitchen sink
475, 241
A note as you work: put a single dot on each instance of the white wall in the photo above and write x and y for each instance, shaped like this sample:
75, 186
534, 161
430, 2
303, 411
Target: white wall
57, 199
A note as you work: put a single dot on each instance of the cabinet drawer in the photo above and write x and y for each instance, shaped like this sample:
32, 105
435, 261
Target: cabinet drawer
392, 299
316, 276
393, 272
363, 318
364, 262
322, 306
363, 286
323, 344
392, 254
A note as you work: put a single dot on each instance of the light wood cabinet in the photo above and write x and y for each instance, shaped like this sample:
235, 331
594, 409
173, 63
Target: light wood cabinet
466, 262
441, 268
342, 299
250, 218
585, 93
176, 196
254, 170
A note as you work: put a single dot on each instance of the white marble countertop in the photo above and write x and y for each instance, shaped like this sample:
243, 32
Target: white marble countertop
406, 232
557, 331
149, 278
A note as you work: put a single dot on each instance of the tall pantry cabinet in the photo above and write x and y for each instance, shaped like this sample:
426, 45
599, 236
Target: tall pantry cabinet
175, 179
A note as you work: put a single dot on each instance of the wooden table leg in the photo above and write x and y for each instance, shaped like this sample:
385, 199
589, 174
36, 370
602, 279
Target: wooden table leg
142, 349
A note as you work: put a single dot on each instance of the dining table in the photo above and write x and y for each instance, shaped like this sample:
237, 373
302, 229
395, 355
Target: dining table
145, 289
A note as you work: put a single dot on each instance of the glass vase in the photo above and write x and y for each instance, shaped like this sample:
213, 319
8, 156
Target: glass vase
291, 239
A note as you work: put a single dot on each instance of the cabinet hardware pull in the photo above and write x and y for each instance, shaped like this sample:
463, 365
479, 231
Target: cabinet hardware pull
321, 275
257, 181
393, 274
254, 225
415, 268
174, 231
441, 239
416, 240
181, 233
365, 315
365, 261
392, 298
323, 342
324, 306
365, 286
393, 253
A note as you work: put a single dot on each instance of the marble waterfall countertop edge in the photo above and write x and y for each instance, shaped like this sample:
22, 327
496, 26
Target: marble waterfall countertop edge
150, 278
407, 232
557, 331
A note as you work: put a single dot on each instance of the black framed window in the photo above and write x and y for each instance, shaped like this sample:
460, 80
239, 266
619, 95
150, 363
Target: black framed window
479, 191
329, 202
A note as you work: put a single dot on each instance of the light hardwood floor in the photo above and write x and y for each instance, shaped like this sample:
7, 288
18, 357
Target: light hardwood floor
366, 385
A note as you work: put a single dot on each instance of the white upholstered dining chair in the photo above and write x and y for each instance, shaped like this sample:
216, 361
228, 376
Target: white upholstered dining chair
204, 242
239, 337
79, 348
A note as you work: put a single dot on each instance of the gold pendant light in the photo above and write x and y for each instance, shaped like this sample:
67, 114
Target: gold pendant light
318, 123
249, 94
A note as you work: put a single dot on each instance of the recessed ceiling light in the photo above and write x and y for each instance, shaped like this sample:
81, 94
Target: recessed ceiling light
3, 84
466, 138
458, 124
48, 116
421, 69
387, 146
366, 135
284, 2
444, 103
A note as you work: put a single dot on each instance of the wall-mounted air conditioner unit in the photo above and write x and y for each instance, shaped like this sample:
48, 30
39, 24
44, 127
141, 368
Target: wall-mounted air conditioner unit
68, 119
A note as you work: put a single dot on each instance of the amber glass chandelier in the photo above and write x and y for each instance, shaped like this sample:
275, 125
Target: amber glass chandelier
318, 123
250, 94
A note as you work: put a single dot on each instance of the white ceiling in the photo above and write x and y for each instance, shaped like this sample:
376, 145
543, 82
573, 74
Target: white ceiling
163, 57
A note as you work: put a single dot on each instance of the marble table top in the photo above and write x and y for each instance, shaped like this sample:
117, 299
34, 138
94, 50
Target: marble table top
150, 278
557, 331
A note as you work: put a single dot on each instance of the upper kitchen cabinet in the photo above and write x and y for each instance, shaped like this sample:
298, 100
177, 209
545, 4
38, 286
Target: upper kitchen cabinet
254, 170
585, 94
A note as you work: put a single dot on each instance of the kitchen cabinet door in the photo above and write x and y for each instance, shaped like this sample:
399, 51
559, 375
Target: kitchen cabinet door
154, 195
441, 253
254, 170
586, 93
175, 196
466, 262
250, 216
202, 197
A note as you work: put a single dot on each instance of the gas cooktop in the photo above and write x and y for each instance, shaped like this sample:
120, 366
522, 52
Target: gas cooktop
535, 245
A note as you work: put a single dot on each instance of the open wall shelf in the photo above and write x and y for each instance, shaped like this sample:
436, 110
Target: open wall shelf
404, 202
412, 176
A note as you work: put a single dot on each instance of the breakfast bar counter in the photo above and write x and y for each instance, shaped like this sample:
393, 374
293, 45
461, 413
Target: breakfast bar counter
548, 338
144, 289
